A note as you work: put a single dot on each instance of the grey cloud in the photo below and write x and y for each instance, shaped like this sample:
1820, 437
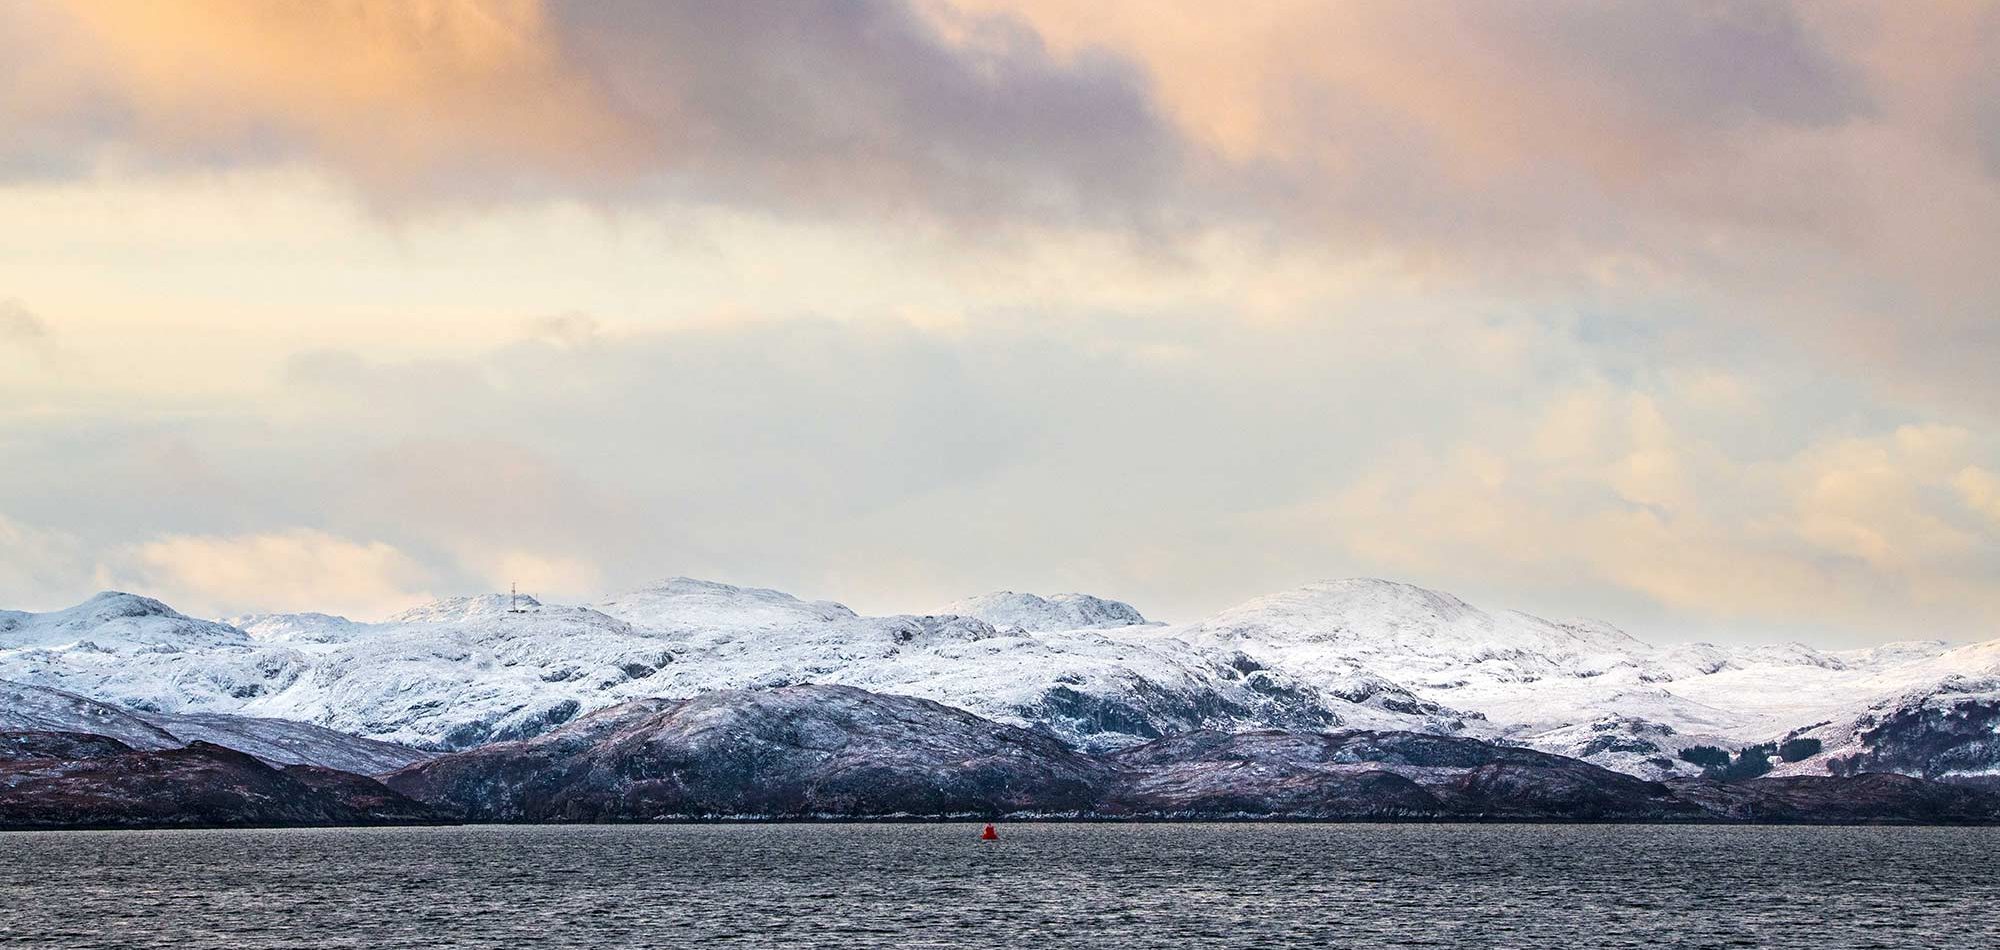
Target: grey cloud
862, 106
1721, 63
857, 108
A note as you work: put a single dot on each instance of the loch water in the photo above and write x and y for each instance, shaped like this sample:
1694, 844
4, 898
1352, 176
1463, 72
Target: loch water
1040, 885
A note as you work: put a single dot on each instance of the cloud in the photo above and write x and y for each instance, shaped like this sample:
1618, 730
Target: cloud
20, 327
290, 570
566, 329
1623, 489
32, 363
836, 109
1823, 170
498, 510
40, 567
1175, 461
407, 99
1980, 488
1681, 308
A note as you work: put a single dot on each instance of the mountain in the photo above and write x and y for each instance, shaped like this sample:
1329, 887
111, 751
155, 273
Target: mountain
1950, 728
69, 780
840, 752
115, 620
1007, 609
466, 671
798, 751
1357, 654
284, 742
305, 631
687, 605
25, 708
1378, 774
138, 653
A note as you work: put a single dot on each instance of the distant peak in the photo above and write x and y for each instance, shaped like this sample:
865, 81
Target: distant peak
690, 585
105, 605
1006, 608
306, 616
1347, 607
1367, 591
697, 587
120, 597
692, 602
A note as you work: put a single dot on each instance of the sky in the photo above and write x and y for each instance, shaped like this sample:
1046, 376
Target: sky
1682, 316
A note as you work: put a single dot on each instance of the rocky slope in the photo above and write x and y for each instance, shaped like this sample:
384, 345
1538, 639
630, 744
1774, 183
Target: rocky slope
69, 780
840, 752
25, 708
800, 751
1376, 775
284, 742
833, 751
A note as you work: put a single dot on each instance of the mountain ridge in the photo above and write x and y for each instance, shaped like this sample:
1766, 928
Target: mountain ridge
1360, 653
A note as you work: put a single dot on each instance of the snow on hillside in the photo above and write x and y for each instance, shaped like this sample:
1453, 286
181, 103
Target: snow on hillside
25, 708
458, 677
115, 620
683, 604
1360, 653
1033, 613
466, 671
1579, 687
306, 631
1946, 727
139, 653
284, 742
1422, 638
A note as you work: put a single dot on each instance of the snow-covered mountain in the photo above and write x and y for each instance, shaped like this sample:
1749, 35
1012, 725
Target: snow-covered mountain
468, 671
306, 631
139, 653
1357, 654
1007, 609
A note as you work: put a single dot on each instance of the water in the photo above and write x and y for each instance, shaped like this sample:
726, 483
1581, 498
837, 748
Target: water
911, 886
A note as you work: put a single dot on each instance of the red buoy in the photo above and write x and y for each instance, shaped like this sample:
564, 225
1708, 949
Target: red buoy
989, 834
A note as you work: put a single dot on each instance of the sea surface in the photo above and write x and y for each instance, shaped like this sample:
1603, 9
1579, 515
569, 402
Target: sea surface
1041, 885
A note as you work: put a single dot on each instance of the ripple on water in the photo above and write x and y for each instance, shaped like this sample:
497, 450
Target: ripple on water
1082, 885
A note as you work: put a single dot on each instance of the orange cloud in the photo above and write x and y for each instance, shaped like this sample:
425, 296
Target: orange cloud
297, 569
402, 95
